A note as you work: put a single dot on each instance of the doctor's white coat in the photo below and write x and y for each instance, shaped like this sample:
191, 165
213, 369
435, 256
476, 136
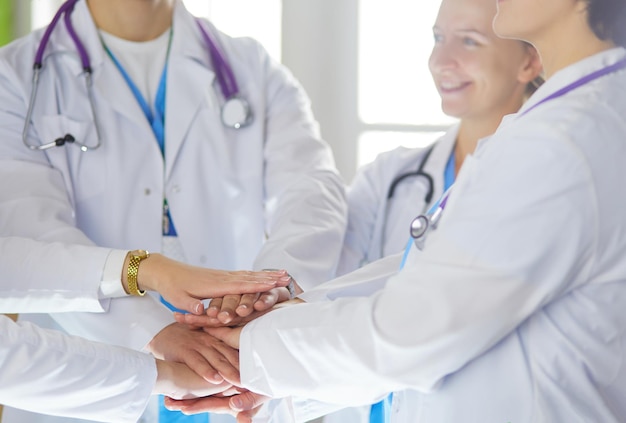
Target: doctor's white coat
48, 372
514, 310
267, 195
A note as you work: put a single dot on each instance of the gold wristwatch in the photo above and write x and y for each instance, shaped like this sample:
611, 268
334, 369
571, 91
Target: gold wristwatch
136, 257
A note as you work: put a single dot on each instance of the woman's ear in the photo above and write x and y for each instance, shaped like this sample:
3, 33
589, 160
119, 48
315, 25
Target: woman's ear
532, 68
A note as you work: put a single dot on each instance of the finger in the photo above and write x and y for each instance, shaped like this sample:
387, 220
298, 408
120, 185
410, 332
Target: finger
227, 366
214, 307
221, 357
246, 304
200, 405
247, 416
268, 299
249, 283
197, 321
200, 364
230, 336
227, 312
232, 355
247, 401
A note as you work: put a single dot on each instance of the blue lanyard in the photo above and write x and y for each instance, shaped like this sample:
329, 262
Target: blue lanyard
448, 180
380, 412
156, 121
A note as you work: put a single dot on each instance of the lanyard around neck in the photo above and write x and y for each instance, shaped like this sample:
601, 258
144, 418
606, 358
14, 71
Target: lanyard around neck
156, 119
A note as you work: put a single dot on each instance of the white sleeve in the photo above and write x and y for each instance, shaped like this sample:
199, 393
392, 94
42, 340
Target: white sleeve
43, 277
47, 372
362, 282
364, 197
495, 259
305, 199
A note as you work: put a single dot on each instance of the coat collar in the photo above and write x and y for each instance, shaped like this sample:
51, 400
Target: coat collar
574, 72
189, 72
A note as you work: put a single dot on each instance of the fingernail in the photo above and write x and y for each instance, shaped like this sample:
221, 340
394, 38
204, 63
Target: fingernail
216, 378
236, 404
199, 308
243, 307
224, 317
285, 278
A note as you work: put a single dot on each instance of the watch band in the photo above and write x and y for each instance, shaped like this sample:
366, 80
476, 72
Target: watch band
133, 270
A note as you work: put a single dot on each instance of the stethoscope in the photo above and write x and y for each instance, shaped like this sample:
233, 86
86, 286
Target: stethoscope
425, 223
235, 113
418, 173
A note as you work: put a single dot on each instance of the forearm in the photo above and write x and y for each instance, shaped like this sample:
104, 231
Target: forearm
50, 277
98, 382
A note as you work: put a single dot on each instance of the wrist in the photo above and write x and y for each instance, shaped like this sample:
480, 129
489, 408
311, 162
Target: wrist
164, 377
131, 272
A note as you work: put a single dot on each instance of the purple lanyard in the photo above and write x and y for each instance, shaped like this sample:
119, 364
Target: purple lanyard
582, 81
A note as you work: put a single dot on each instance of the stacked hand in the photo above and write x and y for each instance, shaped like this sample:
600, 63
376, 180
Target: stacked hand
223, 321
191, 361
198, 357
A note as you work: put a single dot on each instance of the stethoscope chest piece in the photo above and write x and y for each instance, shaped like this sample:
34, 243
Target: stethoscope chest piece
236, 113
419, 226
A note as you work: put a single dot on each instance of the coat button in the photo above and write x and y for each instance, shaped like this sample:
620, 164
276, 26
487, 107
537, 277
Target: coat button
147, 191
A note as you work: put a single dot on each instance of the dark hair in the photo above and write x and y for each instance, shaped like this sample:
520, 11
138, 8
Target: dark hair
607, 19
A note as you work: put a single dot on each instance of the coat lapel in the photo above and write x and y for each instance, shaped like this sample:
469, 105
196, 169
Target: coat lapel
189, 83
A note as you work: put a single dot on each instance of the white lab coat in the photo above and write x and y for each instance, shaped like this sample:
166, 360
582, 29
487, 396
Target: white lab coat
514, 310
267, 195
48, 372
378, 226
28, 287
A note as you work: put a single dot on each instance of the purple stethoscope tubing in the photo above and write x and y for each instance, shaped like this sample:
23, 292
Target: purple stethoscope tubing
236, 112
241, 116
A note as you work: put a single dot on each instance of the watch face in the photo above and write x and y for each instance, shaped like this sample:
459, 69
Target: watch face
140, 254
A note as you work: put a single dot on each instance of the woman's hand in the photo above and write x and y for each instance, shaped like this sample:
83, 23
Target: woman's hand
184, 286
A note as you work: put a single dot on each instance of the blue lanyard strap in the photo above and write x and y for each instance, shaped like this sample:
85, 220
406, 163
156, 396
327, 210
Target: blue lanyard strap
156, 120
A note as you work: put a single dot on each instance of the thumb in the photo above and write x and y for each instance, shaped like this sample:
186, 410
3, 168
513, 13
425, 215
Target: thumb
247, 401
185, 303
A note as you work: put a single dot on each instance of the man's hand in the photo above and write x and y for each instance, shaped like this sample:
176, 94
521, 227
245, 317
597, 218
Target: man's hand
184, 286
231, 308
234, 310
177, 380
206, 355
244, 405
230, 314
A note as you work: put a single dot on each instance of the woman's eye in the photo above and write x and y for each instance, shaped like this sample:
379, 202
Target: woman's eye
437, 37
469, 42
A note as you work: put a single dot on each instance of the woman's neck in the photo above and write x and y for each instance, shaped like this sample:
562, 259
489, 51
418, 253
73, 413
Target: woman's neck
470, 132
567, 42
133, 20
